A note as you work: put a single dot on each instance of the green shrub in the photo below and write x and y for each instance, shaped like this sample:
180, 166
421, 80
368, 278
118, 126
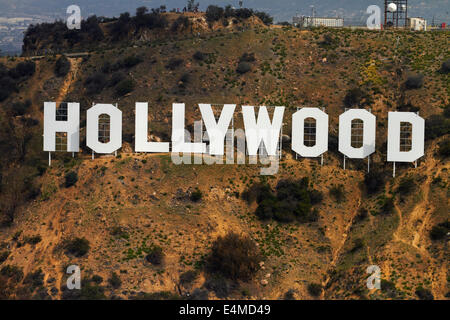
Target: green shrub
388, 206
414, 81
188, 277
338, 193
440, 231
20, 108
389, 288
34, 279
243, 67
200, 56
174, 63
214, 13
314, 289
155, 256
436, 126
23, 69
357, 97
3, 256
444, 148
424, 294
70, 179
33, 239
95, 83
131, 61
235, 257
124, 87
13, 272
196, 195
291, 202
62, 66
374, 181
247, 57
77, 247
446, 66
114, 281
406, 186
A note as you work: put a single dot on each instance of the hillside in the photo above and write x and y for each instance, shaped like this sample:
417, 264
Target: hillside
129, 208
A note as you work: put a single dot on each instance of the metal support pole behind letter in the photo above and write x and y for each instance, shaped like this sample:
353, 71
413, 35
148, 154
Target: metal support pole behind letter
393, 173
49, 159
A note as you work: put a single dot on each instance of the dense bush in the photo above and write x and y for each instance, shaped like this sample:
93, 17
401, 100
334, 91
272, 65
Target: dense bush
444, 148
23, 69
188, 277
436, 126
130, 61
155, 256
265, 18
389, 288
247, 57
199, 56
406, 186
243, 67
424, 294
439, 231
291, 201
357, 97
95, 83
62, 66
387, 206
20, 108
77, 247
116, 78
71, 178
114, 281
338, 193
124, 87
234, 257
214, 13
314, 289
174, 63
414, 81
3, 256
7, 87
196, 195
374, 181
181, 22
446, 66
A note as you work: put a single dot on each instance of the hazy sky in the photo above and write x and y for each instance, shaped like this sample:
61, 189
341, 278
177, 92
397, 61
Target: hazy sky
280, 9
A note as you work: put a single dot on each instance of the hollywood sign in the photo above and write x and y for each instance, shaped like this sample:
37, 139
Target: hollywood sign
258, 129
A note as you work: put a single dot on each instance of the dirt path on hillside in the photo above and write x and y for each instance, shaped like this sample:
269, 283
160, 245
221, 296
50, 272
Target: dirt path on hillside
338, 251
69, 80
416, 221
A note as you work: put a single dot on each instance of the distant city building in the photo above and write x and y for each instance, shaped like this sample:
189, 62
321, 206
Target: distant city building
417, 24
307, 22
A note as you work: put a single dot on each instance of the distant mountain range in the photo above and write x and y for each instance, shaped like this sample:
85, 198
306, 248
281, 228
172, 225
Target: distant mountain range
282, 10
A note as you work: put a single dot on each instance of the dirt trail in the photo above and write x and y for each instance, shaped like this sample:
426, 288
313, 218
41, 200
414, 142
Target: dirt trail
69, 80
337, 252
53, 234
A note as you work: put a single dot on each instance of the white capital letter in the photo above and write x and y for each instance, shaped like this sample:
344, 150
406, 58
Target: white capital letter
178, 133
141, 140
417, 138
71, 126
298, 132
262, 130
345, 133
115, 128
217, 130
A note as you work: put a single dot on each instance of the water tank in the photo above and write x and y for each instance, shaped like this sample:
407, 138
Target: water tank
392, 7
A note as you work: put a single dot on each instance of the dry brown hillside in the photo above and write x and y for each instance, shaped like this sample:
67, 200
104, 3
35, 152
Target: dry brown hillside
133, 205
